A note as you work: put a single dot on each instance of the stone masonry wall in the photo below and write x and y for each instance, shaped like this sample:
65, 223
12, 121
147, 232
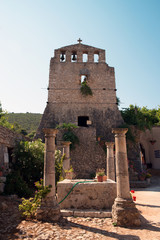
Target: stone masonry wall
93, 195
66, 104
88, 155
65, 101
8, 140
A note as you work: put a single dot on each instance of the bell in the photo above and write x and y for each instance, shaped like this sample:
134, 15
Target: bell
74, 57
62, 57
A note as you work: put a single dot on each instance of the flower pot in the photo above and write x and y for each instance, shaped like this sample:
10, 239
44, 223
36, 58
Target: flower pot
69, 175
104, 178
141, 178
100, 178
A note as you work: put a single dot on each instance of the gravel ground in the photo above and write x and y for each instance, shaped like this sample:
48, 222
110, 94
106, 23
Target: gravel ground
148, 202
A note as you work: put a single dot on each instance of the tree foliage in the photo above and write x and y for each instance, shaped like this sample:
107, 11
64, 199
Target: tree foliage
69, 135
27, 121
27, 168
14, 126
28, 207
29, 158
143, 118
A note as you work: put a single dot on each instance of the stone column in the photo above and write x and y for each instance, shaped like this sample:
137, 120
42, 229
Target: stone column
110, 166
66, 161
124, 212
49, 209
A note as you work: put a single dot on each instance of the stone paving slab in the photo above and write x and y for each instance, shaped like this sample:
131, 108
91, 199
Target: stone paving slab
86, 213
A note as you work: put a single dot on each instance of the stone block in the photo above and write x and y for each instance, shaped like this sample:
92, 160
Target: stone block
91, 195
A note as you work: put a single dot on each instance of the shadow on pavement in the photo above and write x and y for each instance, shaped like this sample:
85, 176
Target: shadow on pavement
104, 233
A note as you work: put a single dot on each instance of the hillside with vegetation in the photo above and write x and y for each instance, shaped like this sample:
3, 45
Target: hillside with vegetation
27, 121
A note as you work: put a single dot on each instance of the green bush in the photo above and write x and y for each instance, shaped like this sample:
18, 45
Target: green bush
29, 206
27, 168
67, 126
29, 161
142, 118
69, 134
71, 137
16, 185
85, 89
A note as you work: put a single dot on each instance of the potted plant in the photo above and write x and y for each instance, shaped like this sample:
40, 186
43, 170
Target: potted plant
104, 178
100, 176
142, 176
69, 174
148, 177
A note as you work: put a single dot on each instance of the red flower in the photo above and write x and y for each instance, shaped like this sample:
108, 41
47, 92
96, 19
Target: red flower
134, 198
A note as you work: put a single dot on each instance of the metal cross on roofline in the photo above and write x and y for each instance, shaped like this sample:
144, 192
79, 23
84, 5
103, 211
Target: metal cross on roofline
79, 40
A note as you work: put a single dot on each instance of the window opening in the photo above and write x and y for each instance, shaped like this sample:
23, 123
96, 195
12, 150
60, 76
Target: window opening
96, 57
62, 57
85, 57
83, 78
74, 57
82, 121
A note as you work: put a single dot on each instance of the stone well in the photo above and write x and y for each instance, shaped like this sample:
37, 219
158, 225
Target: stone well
90, 195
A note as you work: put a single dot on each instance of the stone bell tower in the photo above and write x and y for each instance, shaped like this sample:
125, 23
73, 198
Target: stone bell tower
70, 67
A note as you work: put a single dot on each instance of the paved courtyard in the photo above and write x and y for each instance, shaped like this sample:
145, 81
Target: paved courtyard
148, 202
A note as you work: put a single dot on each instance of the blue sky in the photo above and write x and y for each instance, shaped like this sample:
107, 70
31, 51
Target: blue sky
30, 30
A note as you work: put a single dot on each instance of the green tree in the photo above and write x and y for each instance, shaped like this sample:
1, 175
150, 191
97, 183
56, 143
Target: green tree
12, 126
29, 158
142, 118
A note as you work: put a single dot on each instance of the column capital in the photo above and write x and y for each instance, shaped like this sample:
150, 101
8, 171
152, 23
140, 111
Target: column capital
119, 131
109, 144
50, 132
66, 143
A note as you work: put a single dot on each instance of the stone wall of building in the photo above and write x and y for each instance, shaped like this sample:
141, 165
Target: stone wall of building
66, 104
88, 155
65, 101
150, 143
8, 140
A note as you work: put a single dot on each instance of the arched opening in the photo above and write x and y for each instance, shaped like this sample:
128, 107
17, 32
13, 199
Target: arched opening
96, 57
62, 57
83, 78
82, 121
74, 57
85, 57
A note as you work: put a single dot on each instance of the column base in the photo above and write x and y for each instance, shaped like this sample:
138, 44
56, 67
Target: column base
125, 213
49, 211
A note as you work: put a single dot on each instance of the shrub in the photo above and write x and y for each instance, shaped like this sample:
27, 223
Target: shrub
69, 134
29, 206
29, 159
16, 185
85, 89
67, 126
